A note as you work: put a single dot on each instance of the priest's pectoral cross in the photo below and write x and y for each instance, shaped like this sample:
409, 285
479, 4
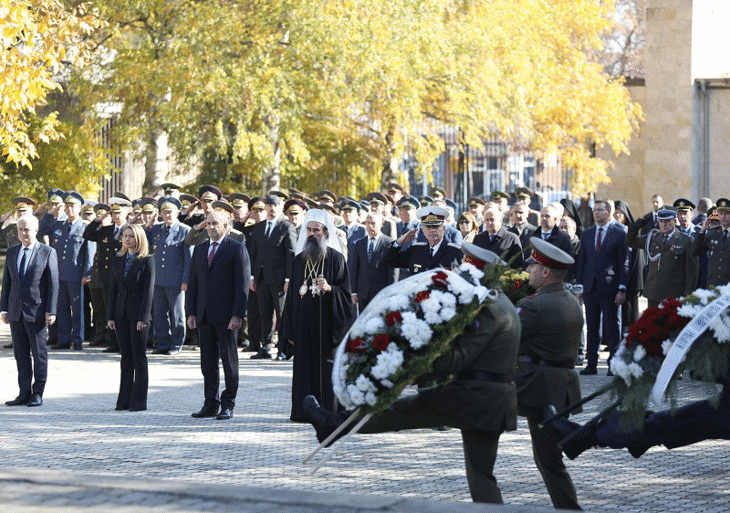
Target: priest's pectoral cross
314, 288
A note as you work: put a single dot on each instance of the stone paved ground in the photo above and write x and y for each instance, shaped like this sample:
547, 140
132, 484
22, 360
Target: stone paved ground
77, 430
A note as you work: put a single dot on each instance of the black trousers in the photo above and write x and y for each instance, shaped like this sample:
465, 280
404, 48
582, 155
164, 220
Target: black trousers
687, 425
480, 446
31, 355
134, 377
271, 301
253, 321
217, 342
597, 306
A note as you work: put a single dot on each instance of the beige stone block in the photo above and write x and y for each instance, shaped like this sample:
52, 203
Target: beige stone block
658, 14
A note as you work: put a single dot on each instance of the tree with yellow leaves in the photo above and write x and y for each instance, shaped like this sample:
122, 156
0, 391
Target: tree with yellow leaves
317, 92
39, 38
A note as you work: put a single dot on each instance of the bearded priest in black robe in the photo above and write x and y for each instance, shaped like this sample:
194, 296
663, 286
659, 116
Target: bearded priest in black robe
318, 310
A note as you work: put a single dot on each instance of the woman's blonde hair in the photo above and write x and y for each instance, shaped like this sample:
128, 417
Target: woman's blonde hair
143, 247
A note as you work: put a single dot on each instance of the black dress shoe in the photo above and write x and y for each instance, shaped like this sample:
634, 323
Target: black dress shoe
78, 348
111, 349
609, 373
206, 411
160, 351
138, 409
35, 400
8, 346
121, 408
324, 422
262, 355
225, 414
18, 401
589, 370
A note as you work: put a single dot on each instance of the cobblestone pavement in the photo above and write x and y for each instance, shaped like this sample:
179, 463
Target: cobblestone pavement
77, 430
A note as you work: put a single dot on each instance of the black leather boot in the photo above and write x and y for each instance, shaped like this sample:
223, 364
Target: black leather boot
324, 422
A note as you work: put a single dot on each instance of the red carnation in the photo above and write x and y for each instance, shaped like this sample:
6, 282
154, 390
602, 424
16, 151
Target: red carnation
517, 285
392, 318
380, 342
439, 278
355, 345
422, 296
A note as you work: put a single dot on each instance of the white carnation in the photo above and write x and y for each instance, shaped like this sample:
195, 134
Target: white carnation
448, 300
666, 346
388, 362
447, 314
476, 274
356, 396
431, 304
364, 384
639, 353
721, 327
433, 317
620, 369
375, 325
387, 383
689, 311
416, 331
371, 398
704, 295
398, 302
635, 370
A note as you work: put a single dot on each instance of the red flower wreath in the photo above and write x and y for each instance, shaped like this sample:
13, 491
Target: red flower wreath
655, 326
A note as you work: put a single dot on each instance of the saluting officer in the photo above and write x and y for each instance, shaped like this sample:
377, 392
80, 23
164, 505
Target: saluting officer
673, 267
172, 265
108, 240
716, 242
75, 261
422, 256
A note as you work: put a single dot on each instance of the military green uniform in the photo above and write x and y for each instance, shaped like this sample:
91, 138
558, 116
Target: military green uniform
673, 266
552, 322
195, 236
717, 245
480, 401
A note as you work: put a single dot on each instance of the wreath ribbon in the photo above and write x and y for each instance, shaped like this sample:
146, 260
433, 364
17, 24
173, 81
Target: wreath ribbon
683, 343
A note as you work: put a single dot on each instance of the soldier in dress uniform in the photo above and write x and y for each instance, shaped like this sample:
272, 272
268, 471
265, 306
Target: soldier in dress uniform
52, 212
94, 290
75, 261
207, 194
425, 200
106, 232
239, 202
23, 206
524, 195
353, 229
150, 212
716, 242
476, 207
552, 323
407, 207
295, 210
198, 233
421, 256
673, 267
685, 212
377, 204
172, 265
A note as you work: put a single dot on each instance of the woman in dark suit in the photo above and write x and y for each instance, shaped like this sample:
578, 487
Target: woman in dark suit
130, 309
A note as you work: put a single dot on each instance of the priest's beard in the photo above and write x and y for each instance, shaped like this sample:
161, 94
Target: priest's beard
314, 249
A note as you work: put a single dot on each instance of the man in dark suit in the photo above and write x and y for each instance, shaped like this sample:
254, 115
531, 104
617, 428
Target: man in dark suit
498, 240
521, 227
272, 254
28, 302
215, 303
603, 270
549, 231
368, 275
422, 256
